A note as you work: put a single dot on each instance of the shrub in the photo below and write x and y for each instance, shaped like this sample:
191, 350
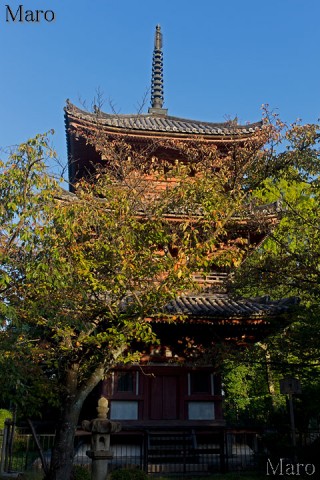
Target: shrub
3, 415
128, 474
30, 476
80, 473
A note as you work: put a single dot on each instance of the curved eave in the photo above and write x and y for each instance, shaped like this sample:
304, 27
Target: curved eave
159, 126
225, 309
255, 319
270, 213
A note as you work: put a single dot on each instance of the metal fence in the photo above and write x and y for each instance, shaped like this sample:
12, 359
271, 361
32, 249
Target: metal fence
157, 452
19, 452
182, 452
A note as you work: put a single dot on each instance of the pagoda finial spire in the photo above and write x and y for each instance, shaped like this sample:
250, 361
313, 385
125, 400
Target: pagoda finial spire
158, 38
157, 97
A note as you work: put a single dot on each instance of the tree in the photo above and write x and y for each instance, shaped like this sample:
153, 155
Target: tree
82, 274
287, 263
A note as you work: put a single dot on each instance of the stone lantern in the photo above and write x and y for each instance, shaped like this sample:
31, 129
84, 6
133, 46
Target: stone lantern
100, 428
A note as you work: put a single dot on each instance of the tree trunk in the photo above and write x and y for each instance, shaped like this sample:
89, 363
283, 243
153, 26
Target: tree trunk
269, 375
63, 448
44, 462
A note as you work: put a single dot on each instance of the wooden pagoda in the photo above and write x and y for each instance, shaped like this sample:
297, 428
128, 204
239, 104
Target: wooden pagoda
174, 387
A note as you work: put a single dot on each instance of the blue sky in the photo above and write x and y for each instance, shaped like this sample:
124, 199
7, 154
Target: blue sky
221, 60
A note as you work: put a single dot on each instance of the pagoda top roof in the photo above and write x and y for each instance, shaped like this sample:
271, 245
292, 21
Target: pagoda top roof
158, 123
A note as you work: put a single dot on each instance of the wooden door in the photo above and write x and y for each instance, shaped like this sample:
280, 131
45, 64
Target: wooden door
164, 397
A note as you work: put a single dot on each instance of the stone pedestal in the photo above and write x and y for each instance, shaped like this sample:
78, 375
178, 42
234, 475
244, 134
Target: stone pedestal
100, 460
100, 429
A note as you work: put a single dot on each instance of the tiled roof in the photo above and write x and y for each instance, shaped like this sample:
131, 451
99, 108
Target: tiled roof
223, 306
161, 123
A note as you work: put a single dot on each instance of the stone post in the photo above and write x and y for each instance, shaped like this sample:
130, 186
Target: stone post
100, 428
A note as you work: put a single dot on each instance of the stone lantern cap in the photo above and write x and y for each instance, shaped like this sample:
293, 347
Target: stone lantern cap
101, 424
